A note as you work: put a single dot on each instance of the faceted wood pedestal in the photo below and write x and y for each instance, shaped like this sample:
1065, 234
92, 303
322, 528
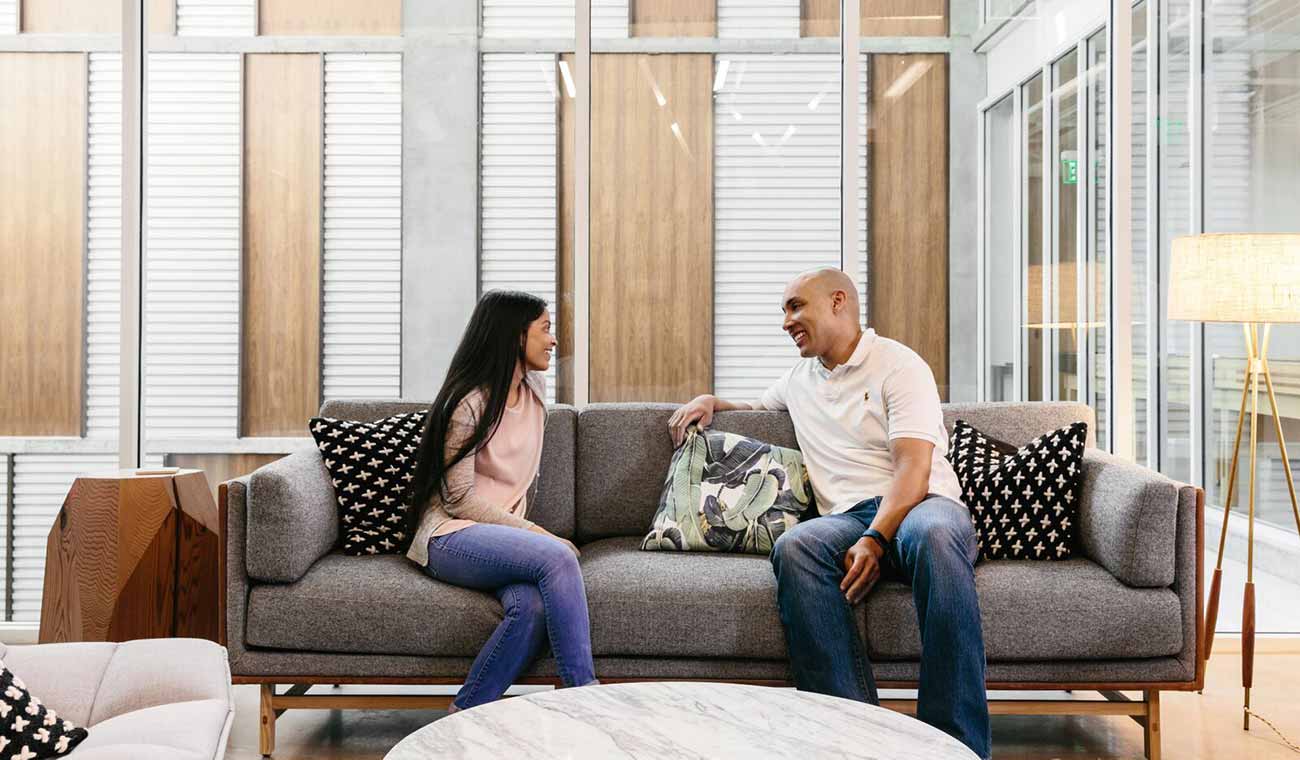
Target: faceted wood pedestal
132, 557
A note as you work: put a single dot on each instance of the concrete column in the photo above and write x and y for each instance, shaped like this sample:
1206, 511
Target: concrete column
966, 83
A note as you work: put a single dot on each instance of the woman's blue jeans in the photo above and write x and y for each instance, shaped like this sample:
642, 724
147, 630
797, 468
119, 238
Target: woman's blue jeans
540, 587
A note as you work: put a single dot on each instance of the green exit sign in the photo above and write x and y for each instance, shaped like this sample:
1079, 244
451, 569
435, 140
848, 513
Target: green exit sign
1070, 171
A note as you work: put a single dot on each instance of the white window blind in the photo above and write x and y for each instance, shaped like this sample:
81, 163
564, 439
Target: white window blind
758, 18
104, 245
41, 481
8, 16
192, 252
216, 18
363, 226
777, 204
519, 203
528, 18
864, 206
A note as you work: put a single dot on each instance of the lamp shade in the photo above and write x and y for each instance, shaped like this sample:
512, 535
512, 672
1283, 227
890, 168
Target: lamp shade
1249, 277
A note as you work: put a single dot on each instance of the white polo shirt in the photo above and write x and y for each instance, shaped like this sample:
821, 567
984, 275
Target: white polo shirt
845, 418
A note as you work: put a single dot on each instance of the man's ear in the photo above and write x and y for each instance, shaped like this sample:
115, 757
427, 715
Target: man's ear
838, 298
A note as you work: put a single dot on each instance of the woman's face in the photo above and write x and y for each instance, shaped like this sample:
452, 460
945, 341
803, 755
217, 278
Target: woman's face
538, 344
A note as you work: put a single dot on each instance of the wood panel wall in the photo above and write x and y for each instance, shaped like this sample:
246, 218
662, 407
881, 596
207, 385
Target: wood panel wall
908, 227
281, 330
880, 18
162, 17
651, 274
221, 467
359, 17
42, 226
71, 17
564, 243
672, 18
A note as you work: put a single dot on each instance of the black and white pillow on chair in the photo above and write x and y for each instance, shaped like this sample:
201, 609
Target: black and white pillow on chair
1023, 501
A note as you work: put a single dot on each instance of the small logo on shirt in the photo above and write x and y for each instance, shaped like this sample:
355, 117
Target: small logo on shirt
866, 397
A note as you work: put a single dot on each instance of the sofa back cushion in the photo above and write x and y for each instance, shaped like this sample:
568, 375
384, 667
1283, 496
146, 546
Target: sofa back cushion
551, 506
1018, 423
623, 455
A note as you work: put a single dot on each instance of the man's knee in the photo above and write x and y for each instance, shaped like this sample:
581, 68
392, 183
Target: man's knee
938, 530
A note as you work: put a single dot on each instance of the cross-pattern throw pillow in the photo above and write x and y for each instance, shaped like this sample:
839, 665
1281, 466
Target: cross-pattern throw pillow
728, 493
28, 729
371, 464
1024, 502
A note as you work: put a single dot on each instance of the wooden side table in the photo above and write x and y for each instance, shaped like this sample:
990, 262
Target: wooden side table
134, 556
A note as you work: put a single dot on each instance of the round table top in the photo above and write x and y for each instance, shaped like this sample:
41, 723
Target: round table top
678, 720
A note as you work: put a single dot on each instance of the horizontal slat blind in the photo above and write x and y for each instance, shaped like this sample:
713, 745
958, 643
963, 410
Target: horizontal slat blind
758, 18
519, 182
363, 226
777, 196
528, 18
192, 254
104, 246
4, 521
609, 19
41, 481
8, 16
863, 187
217, 18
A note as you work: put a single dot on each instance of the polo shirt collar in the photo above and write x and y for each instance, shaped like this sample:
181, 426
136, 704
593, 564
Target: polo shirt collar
859, 355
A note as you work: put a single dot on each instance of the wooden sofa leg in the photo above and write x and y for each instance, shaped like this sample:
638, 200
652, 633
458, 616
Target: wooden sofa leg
1151, 728
266, 733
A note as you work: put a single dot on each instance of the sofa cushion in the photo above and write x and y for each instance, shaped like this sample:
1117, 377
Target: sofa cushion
371, 464
44, 667
147, 673
373, 605
1019, 422
680, 604
726, 492
1024, 502
177, 731
624, 451
1069, 610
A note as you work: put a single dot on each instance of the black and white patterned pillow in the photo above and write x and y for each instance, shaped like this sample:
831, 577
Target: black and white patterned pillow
1024, 502
371, 464
28, 729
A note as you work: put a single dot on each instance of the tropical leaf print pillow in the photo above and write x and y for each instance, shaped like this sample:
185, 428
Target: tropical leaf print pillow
728, 493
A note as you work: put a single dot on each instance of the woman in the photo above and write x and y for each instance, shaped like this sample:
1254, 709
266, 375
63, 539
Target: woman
480, 452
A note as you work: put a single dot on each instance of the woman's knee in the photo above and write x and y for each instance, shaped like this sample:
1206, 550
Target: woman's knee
523, 602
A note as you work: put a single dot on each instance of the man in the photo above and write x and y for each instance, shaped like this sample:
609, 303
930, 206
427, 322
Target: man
866, 412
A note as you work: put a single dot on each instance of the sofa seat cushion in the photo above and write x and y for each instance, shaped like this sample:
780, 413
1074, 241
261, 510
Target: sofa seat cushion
194, 730
680, 604
370, 605
1068, 610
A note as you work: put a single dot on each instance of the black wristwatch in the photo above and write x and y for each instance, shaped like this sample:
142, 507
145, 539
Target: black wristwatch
878, 537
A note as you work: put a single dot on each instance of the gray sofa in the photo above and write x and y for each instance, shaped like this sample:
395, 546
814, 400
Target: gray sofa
151, 699
1122, 615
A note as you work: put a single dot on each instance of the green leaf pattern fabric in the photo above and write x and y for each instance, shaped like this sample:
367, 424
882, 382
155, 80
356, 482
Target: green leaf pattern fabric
728, 493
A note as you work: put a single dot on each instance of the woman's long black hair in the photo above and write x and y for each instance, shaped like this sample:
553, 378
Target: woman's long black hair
489, 351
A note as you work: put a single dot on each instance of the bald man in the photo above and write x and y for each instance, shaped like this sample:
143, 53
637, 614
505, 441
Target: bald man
866, 412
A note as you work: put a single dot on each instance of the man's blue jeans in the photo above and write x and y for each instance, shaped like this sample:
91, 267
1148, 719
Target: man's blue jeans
934, 552
540, 587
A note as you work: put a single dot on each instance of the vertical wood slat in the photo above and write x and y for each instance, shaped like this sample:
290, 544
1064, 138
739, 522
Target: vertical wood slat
672, 18
372, 17
651, 227
71, 17
42, 210
908, 140
564, 266
281, 313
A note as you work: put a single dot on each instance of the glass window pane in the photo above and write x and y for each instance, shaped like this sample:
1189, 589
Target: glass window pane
1252, 150
1146, 319
1031, 194
1000, 224
1064, 322
1093, 176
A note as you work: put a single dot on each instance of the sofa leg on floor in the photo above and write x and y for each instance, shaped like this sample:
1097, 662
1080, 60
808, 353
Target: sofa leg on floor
1151, 729
266, 733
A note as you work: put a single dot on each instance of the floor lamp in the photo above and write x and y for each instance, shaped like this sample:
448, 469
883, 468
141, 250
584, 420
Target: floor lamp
1253, 279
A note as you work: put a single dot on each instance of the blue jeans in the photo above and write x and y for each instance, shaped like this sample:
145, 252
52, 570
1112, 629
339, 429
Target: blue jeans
538, 582
934, 552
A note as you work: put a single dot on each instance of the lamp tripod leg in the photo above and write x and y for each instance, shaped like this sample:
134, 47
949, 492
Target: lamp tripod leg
1248, 598
1212, 604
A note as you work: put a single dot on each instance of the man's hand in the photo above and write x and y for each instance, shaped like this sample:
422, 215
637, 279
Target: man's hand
699, 410
861, 569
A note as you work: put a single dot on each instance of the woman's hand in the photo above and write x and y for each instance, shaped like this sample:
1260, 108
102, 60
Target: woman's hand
699, 410
565, 541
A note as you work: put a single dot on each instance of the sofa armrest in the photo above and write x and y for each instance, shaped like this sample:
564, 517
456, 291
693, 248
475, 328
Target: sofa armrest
1128, 520
235, 574
293, 517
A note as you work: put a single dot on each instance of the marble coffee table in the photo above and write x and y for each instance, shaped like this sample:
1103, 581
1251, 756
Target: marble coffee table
678, 720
